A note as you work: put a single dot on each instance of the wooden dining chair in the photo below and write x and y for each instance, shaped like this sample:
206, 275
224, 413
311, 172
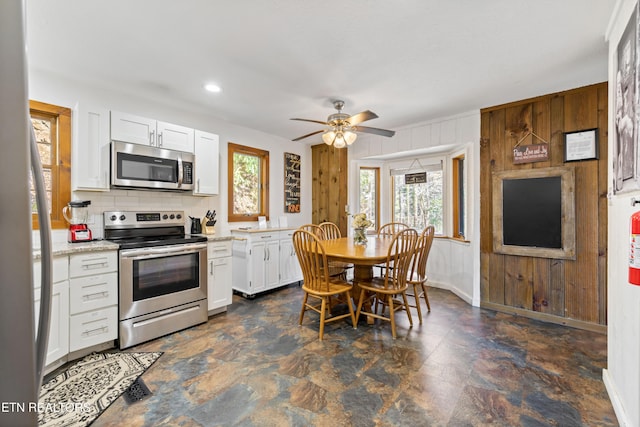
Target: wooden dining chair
317, 282
332, 231
391, 228
417, 276
313, 228
384, 290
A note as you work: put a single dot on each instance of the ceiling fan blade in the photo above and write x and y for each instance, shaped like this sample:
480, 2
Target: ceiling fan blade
308, 135
312, 121
376, 131
362, 117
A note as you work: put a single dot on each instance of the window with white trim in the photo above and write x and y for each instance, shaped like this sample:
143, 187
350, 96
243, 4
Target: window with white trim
418, 196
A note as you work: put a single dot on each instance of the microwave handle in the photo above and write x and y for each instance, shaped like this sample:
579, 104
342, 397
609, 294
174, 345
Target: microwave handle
180, 172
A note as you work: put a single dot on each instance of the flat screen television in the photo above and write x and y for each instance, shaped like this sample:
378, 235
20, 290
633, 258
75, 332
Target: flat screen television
533, 212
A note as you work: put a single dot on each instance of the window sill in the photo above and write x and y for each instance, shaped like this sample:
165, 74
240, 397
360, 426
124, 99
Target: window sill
455, 239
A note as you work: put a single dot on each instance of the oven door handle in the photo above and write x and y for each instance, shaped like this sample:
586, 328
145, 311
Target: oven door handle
162, 251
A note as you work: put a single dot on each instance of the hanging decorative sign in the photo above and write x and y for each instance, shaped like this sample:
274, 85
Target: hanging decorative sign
530, 153
415, 178
291, 183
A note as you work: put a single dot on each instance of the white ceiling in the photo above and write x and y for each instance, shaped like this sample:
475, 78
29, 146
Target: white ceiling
409, 61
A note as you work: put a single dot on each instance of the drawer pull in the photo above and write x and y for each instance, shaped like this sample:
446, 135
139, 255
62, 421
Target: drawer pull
96, 331
220, 249
92, 265
95, 295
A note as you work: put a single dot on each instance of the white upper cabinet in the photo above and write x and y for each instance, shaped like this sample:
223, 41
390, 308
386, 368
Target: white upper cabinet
141, 130
174, 137
206, 149
135, 129
90, 148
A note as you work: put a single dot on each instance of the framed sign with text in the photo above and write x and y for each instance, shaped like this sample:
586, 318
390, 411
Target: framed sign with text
291, 183
581, 145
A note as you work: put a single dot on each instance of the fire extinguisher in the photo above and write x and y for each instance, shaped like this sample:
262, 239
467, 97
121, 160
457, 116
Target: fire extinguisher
634, 250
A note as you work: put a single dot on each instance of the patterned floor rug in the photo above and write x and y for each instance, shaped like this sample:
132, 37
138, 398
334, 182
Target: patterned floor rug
79, 394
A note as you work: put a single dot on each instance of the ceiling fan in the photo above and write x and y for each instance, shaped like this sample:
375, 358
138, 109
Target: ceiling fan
343, 127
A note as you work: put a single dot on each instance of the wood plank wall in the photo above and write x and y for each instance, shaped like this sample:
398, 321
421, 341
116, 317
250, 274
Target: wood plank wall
329, 185
571, 292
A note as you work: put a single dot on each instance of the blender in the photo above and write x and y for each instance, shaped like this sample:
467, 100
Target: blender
77, 215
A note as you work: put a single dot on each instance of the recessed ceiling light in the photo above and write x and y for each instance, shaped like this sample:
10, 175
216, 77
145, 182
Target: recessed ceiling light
211, 87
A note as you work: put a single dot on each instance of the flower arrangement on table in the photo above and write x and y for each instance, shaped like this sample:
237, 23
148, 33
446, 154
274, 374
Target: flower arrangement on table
360, 224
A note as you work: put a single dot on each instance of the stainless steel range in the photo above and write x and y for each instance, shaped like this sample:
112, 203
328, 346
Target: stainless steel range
162, 275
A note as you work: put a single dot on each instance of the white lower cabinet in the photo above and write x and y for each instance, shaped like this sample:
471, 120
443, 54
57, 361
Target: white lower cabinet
219, 291
58, 343
262, 261
84, 303
290, 270
93, 299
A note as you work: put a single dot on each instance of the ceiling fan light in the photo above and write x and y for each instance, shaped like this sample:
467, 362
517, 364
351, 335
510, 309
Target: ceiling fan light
328, 137
339, 141
350, 137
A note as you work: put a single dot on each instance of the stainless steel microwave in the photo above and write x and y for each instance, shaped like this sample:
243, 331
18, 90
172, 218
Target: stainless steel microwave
146, 167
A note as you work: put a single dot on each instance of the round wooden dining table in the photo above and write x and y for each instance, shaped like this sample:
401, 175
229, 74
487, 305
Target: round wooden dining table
363, 257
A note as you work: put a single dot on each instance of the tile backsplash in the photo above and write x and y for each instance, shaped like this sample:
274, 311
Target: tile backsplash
137, 201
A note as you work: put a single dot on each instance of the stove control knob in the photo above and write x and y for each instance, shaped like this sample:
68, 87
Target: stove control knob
172, 216
113, 217
165, 216
122, 217
179, 216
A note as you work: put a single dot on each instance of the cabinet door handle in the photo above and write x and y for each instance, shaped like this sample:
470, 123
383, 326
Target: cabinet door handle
152, 137
159, 139
210, 268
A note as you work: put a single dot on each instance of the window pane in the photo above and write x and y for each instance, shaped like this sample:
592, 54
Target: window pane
48, 186
462, 213
368, 196
42, 128
246, 180
419, 205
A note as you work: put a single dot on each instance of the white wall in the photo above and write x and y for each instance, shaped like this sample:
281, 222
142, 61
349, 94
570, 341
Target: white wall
60, 91
622, 376
452, 264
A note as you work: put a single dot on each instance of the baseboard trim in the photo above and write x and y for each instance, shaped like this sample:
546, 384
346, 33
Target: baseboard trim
615, 399
578, 324
457, 291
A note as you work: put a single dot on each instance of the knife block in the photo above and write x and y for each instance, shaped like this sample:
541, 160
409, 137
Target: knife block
207, 229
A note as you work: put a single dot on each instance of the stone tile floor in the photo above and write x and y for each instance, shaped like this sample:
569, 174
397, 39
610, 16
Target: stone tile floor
464, 366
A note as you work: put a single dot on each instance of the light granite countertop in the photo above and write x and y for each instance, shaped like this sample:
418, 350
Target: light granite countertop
215, 237
261, 230
64, 248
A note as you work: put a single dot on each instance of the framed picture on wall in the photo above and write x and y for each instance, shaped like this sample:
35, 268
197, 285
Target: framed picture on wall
581, 145
625, 138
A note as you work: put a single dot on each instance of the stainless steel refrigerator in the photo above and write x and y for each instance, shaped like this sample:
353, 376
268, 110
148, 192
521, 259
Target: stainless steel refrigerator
20, 372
